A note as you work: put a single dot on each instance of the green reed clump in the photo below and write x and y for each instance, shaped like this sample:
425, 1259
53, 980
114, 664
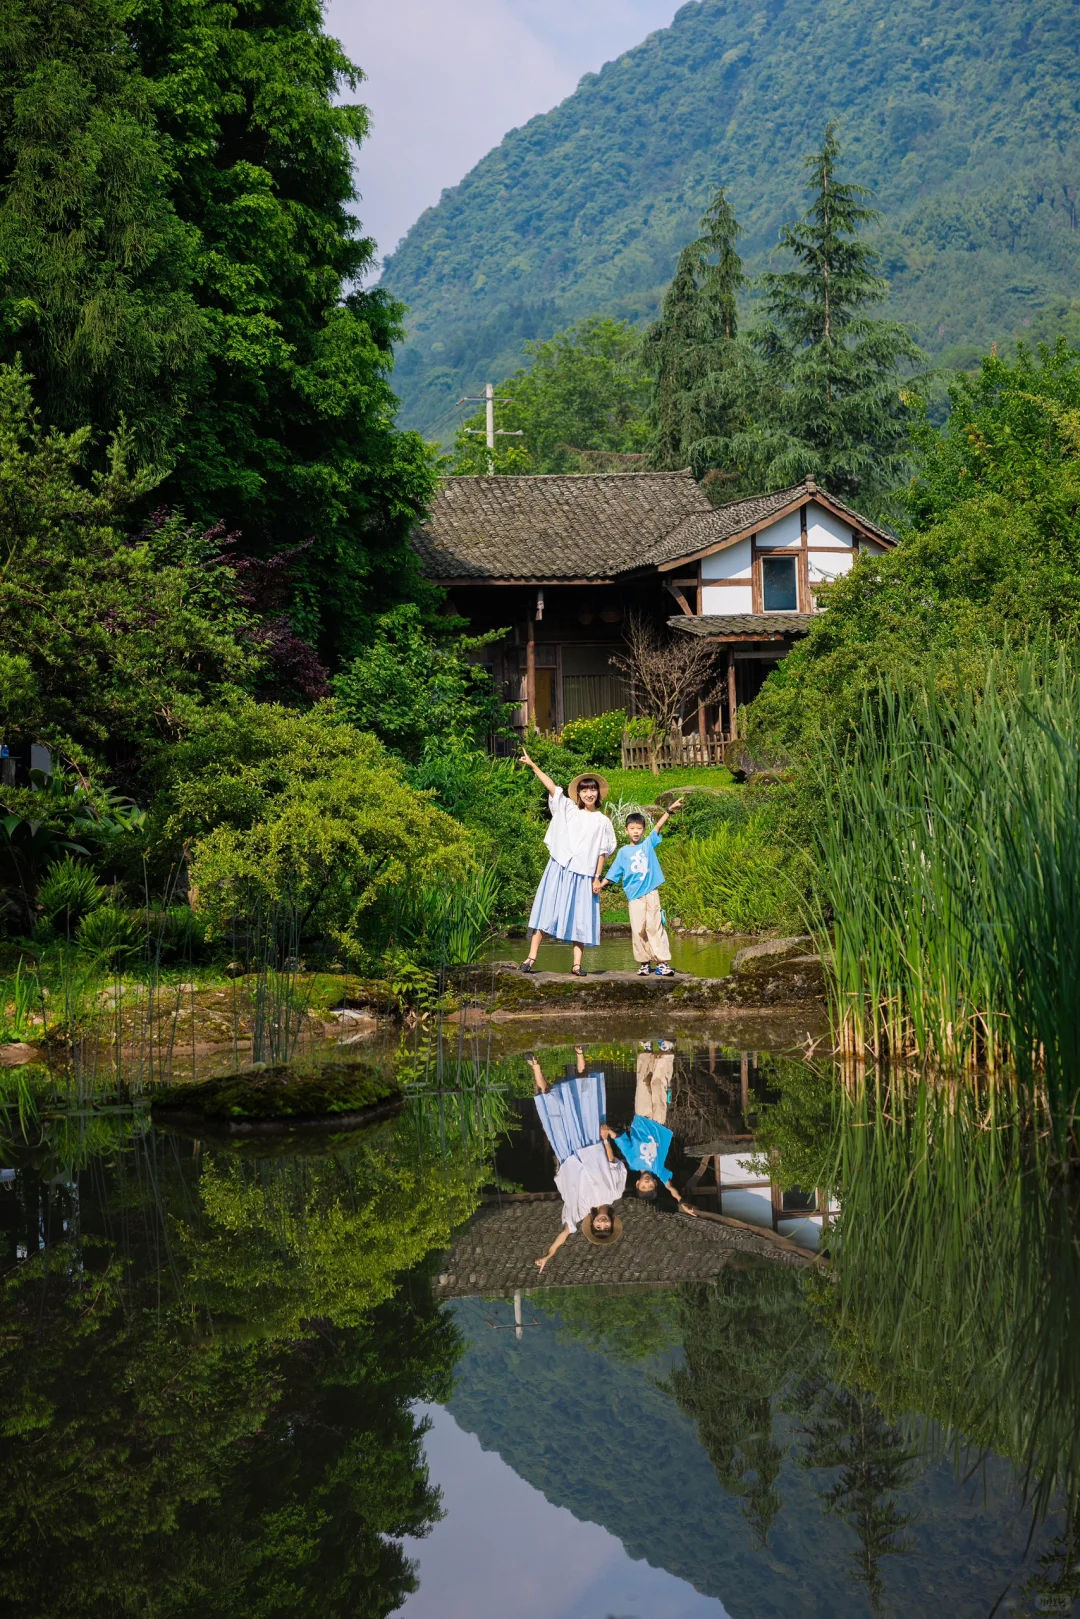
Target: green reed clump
950, 878
956, 1286
736, 877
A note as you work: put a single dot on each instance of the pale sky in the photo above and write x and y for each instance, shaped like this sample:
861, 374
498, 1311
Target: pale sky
446, 79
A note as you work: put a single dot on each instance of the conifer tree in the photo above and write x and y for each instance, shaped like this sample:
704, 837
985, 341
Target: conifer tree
701, 370
833, 406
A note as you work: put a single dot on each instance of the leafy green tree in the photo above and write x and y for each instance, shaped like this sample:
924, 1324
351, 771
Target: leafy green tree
102, 634
581, 406
992, 556
294, 812
97, 268
704, 376
408, 687
293, 432
177, 246
833, 406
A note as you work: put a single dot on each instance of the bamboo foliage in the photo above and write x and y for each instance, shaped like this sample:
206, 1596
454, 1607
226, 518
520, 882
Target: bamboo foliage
950, 859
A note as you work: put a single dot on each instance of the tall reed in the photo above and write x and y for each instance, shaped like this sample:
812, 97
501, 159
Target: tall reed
950, 878
956, 1288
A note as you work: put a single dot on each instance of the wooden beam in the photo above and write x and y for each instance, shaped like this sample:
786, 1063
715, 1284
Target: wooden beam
672, 588
732, 704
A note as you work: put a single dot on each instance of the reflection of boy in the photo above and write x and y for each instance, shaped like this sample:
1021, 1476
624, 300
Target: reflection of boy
645, 1146
638, 869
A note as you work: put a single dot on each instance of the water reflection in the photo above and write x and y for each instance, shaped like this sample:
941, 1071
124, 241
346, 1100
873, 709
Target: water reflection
215, 1362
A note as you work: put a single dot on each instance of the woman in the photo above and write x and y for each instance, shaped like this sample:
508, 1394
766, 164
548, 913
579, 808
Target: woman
590, 1176
579, 840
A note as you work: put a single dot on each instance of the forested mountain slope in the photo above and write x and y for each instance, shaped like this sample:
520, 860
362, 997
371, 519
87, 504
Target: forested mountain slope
964, 115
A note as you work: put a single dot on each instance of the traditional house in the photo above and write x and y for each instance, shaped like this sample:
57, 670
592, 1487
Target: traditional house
560, 562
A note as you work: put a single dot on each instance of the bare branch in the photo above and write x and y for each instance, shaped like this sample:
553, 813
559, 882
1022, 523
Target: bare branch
667, 672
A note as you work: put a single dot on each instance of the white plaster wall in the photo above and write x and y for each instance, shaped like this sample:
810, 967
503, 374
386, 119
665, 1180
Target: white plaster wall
727, 598
822, 528
829, 565
786, 531
734, 563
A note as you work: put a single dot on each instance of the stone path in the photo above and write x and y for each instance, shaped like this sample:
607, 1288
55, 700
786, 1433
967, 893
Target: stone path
497, 1250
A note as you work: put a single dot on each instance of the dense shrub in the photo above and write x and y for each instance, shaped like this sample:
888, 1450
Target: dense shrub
499, 802
736, 878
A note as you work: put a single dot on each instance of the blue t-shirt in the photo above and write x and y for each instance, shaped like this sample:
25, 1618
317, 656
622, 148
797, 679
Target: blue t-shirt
645, 1145
637, 868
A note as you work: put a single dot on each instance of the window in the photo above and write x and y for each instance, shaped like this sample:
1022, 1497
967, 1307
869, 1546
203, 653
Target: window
779, 585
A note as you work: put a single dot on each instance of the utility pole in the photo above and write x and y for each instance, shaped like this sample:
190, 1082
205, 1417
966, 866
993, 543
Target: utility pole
488, 399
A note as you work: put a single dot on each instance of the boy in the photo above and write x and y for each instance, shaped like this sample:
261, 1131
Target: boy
637, 868
645, 1146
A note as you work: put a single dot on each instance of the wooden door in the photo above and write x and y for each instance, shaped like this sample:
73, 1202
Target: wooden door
545, 700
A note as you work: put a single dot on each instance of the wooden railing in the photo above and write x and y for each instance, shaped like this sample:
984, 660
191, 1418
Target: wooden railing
679, 751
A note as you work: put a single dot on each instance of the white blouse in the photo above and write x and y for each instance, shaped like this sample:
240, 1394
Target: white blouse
588, 1179
577, 838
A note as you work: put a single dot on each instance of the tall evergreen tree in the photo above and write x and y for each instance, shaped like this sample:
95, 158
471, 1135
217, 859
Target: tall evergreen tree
96, 267
833, 407
701, 369
177, 245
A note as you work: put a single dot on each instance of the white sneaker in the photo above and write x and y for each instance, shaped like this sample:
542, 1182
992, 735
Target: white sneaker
663, 970
643, 972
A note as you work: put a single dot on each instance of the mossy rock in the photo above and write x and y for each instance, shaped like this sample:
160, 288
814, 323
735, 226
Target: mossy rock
315, 1095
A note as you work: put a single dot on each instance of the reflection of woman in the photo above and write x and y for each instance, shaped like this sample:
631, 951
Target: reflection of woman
590, 1176
579, 839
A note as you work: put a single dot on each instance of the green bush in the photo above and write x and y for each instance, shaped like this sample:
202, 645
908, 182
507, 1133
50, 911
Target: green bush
110, 935
598, 739
703, 813
69, 892
500, 802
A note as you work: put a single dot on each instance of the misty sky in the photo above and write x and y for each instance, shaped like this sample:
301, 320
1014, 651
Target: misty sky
447, 78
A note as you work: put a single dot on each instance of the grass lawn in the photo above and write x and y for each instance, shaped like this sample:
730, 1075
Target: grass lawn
641, 786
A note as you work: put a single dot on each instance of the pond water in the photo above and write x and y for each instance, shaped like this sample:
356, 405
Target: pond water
323, 1377
704, 955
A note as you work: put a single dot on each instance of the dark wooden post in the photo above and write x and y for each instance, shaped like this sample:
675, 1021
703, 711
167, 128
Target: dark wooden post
732, 705
530, 674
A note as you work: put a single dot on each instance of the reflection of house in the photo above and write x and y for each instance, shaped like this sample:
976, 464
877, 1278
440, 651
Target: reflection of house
561, 561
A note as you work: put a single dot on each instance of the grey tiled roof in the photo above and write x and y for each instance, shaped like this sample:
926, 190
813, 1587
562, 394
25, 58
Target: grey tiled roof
719, 523
758, 626
553, 527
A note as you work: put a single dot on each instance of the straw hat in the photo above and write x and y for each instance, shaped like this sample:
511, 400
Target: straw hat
586, 775
597, 1237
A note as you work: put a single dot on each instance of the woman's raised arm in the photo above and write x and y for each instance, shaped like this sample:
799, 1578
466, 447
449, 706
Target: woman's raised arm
541, 775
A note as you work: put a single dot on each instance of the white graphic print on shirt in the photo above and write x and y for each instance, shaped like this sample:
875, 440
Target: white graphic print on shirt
647, 1153
639, 862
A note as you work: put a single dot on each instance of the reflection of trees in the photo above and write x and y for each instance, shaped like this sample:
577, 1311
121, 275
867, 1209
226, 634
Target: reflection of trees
206, 1381
145, 1469
844, 1429
745, 1336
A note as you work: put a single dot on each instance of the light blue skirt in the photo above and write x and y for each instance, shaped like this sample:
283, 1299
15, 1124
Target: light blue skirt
572, 1112
565, 906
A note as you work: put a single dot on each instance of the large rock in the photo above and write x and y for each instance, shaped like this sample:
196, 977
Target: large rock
780, 972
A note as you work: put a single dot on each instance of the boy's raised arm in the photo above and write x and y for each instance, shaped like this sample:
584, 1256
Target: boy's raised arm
541, 775
665, 818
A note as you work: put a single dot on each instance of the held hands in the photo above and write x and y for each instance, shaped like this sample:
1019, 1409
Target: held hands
606, 1133
598, 885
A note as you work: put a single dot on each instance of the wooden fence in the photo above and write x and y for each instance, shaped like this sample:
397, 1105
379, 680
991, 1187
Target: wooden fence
680, 751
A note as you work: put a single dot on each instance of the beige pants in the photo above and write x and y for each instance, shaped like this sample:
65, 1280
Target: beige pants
654, 1071
647, 932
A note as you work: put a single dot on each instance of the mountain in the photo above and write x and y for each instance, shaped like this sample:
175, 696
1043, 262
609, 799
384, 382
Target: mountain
962, 115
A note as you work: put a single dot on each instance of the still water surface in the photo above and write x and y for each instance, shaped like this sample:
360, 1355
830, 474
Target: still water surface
237, 1380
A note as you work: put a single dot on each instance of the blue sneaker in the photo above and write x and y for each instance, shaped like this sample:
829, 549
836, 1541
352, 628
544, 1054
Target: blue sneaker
664, 971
